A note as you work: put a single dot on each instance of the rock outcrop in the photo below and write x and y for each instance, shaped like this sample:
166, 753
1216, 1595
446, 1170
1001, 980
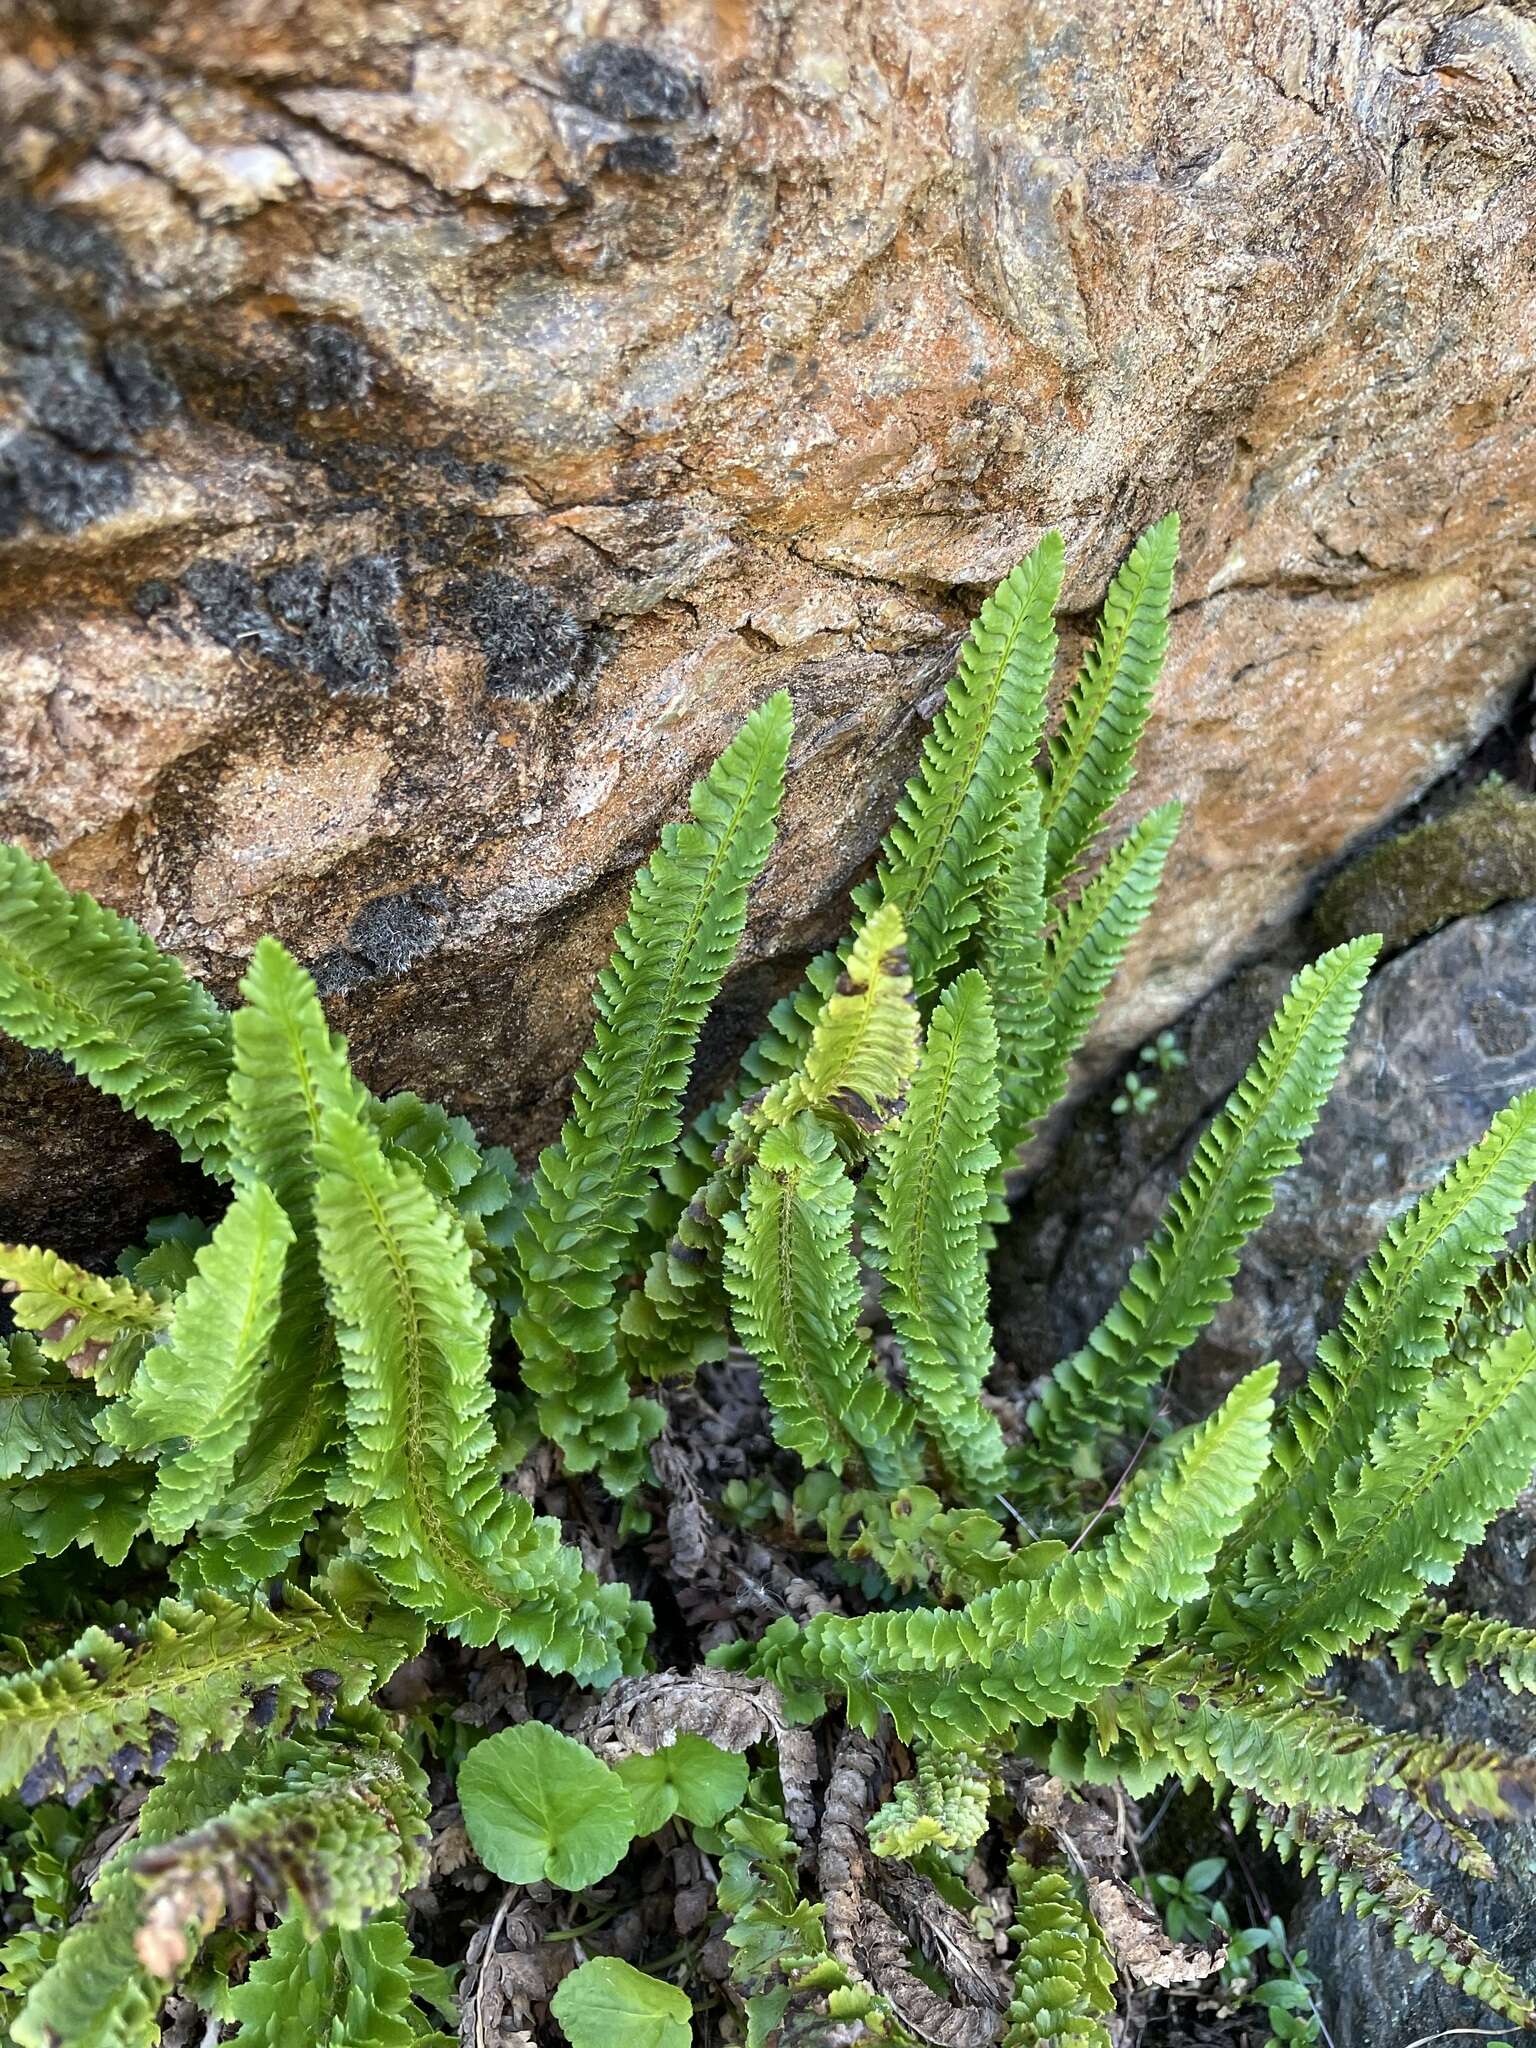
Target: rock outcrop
426, 430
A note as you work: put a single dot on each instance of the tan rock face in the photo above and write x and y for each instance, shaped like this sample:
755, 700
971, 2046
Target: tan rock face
425, 431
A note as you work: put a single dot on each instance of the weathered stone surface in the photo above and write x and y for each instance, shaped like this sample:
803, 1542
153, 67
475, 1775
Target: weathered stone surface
426, 430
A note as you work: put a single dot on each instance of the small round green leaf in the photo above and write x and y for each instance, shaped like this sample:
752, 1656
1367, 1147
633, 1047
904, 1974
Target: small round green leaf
537, 1804
606, 2002
692, 1778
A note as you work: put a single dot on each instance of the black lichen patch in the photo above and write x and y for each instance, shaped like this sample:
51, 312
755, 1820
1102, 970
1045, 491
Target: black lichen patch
649, 156
145, 392
338, 369
340, 627
534, 648
628, 83
83, 407
60, 489
386, 938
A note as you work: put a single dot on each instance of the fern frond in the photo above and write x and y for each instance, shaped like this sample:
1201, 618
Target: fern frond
1012, 957
794, 1287
931, 1196
353, 1988
1182, 1715
686, 915
68, 1309
1082, 956
414, 1331
1032, 1651
334, 1831
196, 1674
1372, 1883
204, 1382
946, 842
864, 1041
1063, 1983
1427, 1488
98, 1994
100, 1504
47, 1417
1394, 1325
79, 980
1093, 751
942, 1806
1186, 1272
1453, 1646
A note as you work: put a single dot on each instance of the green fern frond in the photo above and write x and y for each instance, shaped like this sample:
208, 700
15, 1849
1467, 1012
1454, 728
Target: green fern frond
204, 1382
946, 843
794, 1287
1454, 1646
1033, 1651
100, 1504
1186, 1272
686, 915
353, 1988
1371, 1882
47, 1417
863, 1044
943, 1806
1394, 1325
1011, 953
79, 980
1064, 1981
196, 1674
1185, 1716
1426, 1489
414, 1331
1081, 959
931, 1197
97, 1993
68, 1309
1093, 751
1497, 1302
333, 1830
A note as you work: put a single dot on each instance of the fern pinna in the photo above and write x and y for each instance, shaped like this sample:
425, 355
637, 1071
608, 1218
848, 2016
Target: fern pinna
305, 1415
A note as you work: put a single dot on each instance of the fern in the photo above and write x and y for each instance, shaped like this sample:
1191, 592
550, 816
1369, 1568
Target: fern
196, 1674
1081, 959
78, 980
1394, 1325
1063, 1985
1012, 957
1094, 749
47, 1417
333, 1830
98, 1994
1372, 1884
794, 1288
352, 1988
947, 841
686, 915
71, 1312
1032, 1651
932, 1194
1429, 1485
1186, 1272
335, 1339
1454, 1646
203, 1384
414, 1330
944, 1806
